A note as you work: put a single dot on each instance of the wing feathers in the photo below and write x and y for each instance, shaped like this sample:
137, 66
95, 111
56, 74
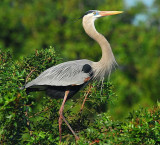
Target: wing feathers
64, 74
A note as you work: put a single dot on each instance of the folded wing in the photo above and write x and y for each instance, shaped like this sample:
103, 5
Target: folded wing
65, 74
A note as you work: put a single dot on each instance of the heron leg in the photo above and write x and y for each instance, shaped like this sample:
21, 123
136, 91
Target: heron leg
61, 118
85, 98
61, 114
76, 137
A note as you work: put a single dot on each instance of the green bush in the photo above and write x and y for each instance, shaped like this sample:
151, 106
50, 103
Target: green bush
33, 119
141, 127
17, 111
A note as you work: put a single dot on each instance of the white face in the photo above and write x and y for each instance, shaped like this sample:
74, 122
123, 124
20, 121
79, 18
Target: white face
96, 14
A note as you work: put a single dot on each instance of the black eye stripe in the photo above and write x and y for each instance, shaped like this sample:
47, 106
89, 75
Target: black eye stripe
90, 11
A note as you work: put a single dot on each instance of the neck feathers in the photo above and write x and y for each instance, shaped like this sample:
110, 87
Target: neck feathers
104, 66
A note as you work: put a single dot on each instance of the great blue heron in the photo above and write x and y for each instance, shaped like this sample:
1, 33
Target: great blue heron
66, 79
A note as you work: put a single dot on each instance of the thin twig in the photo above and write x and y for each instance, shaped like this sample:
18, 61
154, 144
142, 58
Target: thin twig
28, 123
39, 112
30, 74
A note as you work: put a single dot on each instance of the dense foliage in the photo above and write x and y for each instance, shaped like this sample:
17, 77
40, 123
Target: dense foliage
15, 104
141, 127
33, 118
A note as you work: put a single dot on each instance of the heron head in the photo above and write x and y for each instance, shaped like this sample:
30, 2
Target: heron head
94, 14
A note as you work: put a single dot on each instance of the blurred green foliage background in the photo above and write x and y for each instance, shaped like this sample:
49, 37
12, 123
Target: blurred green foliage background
26, 26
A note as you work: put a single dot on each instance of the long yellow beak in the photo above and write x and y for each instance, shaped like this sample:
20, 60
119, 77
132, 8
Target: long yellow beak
107, 13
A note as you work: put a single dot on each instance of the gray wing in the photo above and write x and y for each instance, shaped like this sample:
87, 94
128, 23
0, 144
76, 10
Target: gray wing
64, 74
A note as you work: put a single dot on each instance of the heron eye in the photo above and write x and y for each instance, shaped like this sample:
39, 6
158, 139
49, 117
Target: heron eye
94, 13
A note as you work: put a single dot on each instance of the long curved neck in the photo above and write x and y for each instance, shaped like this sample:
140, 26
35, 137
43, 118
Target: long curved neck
107, 60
